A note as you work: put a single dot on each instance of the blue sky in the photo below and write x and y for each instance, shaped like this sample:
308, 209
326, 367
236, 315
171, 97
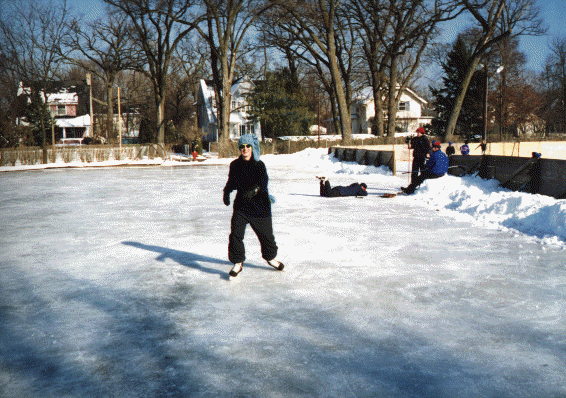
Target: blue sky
553, 13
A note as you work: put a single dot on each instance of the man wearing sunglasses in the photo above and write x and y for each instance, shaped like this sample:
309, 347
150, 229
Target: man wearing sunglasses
252, 205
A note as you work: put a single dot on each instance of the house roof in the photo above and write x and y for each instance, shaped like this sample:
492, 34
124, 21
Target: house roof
80, 121
64, 92
208, 97
366, 94
63, 98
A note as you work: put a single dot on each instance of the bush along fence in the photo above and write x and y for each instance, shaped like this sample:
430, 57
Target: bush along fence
534, 175
367, 157
82, 153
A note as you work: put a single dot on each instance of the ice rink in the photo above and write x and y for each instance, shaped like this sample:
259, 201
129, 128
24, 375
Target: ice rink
114, 283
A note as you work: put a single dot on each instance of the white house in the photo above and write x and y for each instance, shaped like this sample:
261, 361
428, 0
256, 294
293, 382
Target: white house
409, 112
239, 123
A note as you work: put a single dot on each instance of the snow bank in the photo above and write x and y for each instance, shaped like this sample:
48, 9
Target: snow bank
468, 198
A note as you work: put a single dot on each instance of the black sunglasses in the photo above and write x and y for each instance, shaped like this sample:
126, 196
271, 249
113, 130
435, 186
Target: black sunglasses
244, 146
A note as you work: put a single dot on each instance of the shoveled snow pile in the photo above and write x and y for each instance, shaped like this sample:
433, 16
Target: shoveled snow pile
468, 198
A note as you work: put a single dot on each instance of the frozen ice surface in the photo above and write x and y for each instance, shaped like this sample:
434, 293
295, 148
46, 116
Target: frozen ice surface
114, 282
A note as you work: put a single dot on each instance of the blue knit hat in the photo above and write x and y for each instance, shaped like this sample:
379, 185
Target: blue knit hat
252, 140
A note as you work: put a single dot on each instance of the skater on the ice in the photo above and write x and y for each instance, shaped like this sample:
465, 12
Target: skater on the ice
355, 189
421, 148
252, 205
436, 167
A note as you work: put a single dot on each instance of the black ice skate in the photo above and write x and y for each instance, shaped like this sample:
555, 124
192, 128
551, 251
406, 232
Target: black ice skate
278, 265
236, 269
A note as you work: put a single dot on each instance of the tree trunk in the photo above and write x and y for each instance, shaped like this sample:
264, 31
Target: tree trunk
161, 120
110, 112
379, 119
43, 138
225, 110
392, 99
343, 107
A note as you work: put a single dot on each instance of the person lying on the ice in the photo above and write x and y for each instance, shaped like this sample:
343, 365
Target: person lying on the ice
354, 189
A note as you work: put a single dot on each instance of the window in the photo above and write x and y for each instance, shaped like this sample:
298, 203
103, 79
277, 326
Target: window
401, 126
61, 110
246, 129
403, 106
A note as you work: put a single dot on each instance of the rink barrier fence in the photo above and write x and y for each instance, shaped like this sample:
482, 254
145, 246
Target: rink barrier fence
532, 175
367, 157
80, 153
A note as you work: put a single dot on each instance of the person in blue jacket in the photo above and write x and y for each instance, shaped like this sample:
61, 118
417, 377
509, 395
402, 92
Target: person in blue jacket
354, 189
252, 205
436, 167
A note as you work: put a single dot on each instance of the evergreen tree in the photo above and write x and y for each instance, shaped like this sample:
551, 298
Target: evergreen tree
280, 106
38, 117
470, 120
171, 134
146, 135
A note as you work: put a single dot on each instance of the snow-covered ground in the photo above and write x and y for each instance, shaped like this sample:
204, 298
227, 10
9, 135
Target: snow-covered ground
114, 282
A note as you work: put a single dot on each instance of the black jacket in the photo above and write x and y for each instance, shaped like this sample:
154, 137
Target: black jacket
354, 189
246, 177
420, 146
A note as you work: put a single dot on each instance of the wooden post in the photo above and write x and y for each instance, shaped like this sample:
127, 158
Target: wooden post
91, 115
119, 124
52, 140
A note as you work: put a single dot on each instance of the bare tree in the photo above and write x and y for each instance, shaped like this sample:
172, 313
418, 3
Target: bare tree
225, 30
313, 24
188, 67
555, 75
395, 35
155, 24
30, 34
495, 20
103, 48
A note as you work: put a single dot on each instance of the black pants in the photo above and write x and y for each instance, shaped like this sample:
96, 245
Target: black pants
327, 191
418, 167
263, 229
418, 180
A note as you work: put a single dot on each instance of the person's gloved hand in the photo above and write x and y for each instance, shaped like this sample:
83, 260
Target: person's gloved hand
248, 195
226, 198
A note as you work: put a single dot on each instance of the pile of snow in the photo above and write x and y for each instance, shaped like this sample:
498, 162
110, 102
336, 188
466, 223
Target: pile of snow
468, 198
483, 201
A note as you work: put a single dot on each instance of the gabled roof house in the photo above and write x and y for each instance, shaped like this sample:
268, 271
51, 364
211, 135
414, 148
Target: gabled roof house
68, 103
409, 112
239, 123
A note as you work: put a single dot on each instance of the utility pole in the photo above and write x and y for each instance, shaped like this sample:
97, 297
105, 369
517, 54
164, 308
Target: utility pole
119, 124
91, 116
